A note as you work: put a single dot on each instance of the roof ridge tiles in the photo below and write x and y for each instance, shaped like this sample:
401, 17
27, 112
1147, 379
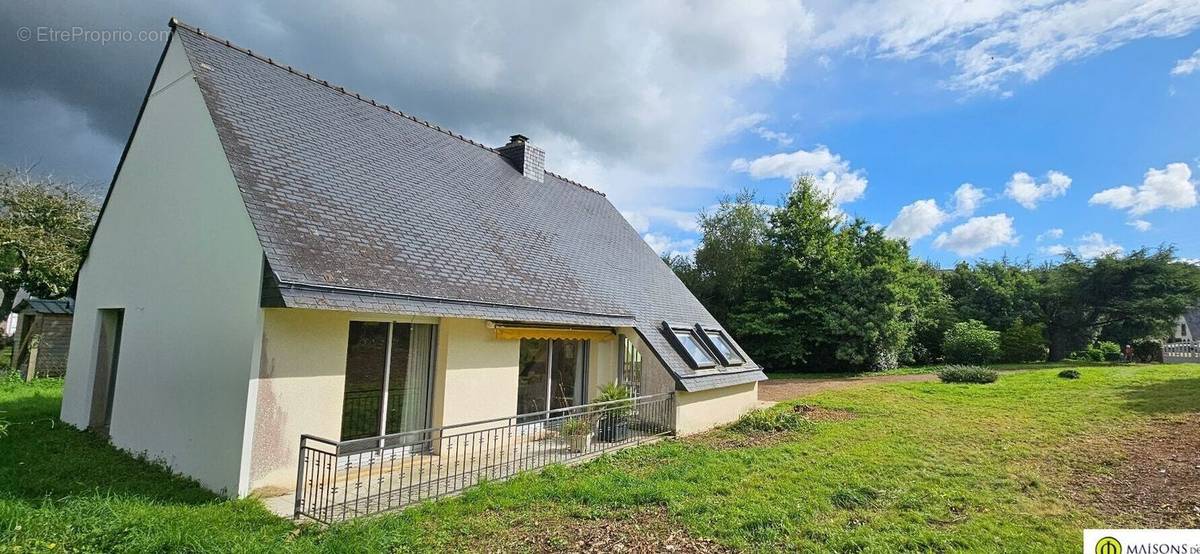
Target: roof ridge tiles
177, 24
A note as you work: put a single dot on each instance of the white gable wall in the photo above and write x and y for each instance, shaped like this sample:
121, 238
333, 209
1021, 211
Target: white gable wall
176, 249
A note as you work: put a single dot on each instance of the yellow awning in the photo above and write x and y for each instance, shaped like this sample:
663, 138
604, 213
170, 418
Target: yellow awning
562, 333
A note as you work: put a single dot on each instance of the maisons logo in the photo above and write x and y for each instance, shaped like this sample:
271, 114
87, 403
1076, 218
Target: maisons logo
1141, 541
1108, 545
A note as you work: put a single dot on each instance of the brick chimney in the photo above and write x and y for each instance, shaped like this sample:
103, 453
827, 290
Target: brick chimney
527, 158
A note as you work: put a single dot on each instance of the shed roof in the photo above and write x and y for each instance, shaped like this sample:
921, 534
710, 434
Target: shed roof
59, 306
361, 207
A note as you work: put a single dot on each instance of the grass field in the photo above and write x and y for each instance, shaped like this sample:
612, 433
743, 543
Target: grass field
922, 369
920, 466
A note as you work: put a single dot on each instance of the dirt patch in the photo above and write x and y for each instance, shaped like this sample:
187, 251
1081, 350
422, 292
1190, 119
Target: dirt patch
817, 413
786, 389
724, 439
727, 438
641, 531
1149, 479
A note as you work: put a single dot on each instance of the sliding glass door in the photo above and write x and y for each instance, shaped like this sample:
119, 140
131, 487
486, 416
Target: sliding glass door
552, 375
389, 380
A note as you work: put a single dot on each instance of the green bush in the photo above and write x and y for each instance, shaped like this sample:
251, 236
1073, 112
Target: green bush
971, 342
576, 427
1099, 352
1148, 351
1023, 343
1069, 374
771, 420
1109, 351
967, 374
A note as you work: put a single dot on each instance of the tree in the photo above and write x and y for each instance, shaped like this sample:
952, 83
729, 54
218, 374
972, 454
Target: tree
44, 229
827, 294
934, 315
997, 293
1023, 342
1123, 298
731, 242
785, 314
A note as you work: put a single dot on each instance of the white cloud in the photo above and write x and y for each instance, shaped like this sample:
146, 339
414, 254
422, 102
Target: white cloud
1170, 188
1140, 224
1094, 245
1054, 250
778, 137
1091, 245
744, 122
1187, 65
1050, 234
923, 217
978, 234
967, 199
1028, 192
641, 219
638, 220
663, 244
917, 220
831, 173
993, 43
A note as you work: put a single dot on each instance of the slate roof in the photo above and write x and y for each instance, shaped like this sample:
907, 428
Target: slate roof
360, 207
60, 306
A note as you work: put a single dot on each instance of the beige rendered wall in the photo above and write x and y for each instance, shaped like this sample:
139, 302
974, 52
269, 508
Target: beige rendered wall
700, 411
299, 387
301, 378
602, 365
476, 373
175, 249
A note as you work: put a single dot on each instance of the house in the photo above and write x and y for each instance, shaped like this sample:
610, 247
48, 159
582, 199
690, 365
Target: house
275, 252
1186, 327
42, 337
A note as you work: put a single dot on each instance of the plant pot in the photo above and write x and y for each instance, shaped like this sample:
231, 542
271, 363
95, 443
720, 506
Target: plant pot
612, 430
578, 443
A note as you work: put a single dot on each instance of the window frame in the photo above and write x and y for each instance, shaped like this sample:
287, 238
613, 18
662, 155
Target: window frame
712, 346
669, 329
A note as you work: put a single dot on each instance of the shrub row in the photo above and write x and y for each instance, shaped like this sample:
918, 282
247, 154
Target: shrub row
967, 374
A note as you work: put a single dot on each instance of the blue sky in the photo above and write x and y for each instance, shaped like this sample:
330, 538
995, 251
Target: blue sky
1102, 121
970, 127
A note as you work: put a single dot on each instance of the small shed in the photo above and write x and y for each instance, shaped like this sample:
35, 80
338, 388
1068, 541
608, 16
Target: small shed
43, 337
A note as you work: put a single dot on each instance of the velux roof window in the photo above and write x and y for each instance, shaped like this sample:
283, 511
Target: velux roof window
719, 343
689, 344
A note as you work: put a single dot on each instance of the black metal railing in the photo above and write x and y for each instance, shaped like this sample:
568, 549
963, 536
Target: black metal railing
339, 480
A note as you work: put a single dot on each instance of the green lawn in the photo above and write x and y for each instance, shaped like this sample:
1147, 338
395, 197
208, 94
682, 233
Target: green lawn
924, 466
920, 369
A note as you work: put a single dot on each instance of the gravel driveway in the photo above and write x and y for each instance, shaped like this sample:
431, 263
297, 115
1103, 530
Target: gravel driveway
776, 390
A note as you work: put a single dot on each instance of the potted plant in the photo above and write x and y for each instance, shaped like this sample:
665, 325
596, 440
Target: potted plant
577, 432
613, 424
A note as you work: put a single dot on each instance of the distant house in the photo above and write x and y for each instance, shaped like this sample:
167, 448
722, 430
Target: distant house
42, 337
279, 256
1186, 327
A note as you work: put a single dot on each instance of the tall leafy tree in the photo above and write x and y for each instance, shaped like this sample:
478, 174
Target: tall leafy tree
727, 257
786, 312
827, 294
998, 293
1123, 297
44, 228
933, 315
